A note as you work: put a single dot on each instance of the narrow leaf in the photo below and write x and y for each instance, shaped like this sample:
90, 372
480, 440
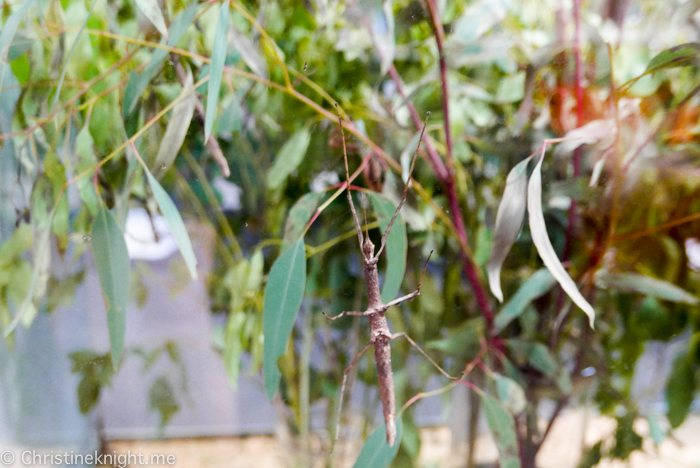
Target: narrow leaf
675, 56
249, 52
535, 354
9, 29
680, 389
503, 431
288, 159
396, 246
113, 268
218, 57
538, 230
174, 220
283, 295
509, 222
510, 393
298, 216
138, 83
151, 10
176, 131
535, 286
632, 282
376, 453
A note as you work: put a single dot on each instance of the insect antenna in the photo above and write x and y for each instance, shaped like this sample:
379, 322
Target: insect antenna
347, 179
405, 190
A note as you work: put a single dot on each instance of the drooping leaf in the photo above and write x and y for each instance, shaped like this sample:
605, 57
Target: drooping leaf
161, 398
288, 159
680, 389
538, 230
657, 434
85, 149
376, 453
233, 346
677, 56
503, 431
64, 68
298, 216
462, 343
113, 268
382, 25
151, 10
632, 282
396, 246
218, 57
9, 29
510, 393
249, 52
174, 220
283, 295
137, 84
509, 222
535, 286
535, 354
176, 131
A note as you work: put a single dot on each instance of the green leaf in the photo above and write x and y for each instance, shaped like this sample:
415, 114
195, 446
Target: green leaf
463, 342
510, 393
138, 83
535, 286
509, 222
174, 220
88, 393
151, 10
9, 29
64, 68
298, 216
657, 434
161, 398
233, 346
113, 268
283, 295
680, 389
631, 282
503, 431
396, 246
218, 57
376, 453
249, 52
535, 354
538, 230
678, 56
85, 149
288, 159
176, 131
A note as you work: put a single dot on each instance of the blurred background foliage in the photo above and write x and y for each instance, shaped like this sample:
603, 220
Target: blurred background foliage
87, 86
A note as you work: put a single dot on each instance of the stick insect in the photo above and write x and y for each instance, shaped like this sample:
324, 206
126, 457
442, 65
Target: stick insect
380, 335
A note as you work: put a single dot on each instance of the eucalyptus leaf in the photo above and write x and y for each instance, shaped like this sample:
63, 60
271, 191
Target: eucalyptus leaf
151, 10
218, 57
674, 57
503, 431
510, 393
113, 268
249, 52
396, 246
642, 284
9, 29
283, 295
176, 131
377, 453
537, 285
174, 220
509, 222
538, 230
298, 216
288, 158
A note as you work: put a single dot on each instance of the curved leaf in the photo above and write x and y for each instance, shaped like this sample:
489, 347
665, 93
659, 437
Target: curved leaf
151, 10
249, 52
632, 282
396, 246
9, 29
675, 56
510, 393
538, 230
535, 286
289, 157
509, 222
503, 431
218, 57
283, 295
138, 83
376, 453
174, 220
113, 268
176, 131
298, 216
